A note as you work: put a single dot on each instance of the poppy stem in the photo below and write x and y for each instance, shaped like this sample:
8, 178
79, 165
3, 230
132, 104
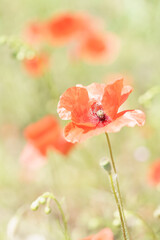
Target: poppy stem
117, 193
47, 197
66, 233
125, 235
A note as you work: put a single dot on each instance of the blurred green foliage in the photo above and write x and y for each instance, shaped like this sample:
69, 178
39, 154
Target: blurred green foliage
88, 200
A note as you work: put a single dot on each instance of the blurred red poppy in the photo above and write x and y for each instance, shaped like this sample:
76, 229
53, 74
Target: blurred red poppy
37, 65
47, 134
94, 110
154, 173
104, 234
31, 160
34, 33
95, 47
64, 27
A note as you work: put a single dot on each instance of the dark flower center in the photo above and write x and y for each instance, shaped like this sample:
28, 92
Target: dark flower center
101, 115
98, 115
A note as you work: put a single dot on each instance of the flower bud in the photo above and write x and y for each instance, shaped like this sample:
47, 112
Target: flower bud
35, 205
47, 210
46, 194
42, 200
105, 164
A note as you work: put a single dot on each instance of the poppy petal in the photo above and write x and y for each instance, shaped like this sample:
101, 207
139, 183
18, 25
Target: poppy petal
44, 133
126, 91
34, 33
37, 65
64, 27
126, 118
35, 130
154, 173
73, 100
112, 97
74, 133
63, 146
97, 47
95, 91
104, 234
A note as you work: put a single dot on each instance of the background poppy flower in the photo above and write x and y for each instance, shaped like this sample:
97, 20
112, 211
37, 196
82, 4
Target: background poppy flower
104, 234
37, 65
47, 134
63, 27
154, 173
43, 135
95, 47
34, 33
94, 110
31, 160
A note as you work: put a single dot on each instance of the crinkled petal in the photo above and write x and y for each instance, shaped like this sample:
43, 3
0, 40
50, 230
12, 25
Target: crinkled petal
95, 91
112, 98
73, 104
75, 133
126, 91
128, 118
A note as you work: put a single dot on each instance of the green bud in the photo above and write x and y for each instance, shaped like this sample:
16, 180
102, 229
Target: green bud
46, 194
42, 200
105, 164
20, 55
47, 210
35, 205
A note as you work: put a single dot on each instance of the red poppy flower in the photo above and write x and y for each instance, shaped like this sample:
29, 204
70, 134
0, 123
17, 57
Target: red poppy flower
63, 27
104, 234
94, 110
97, 47
154, 173
47, 134
34, 33
37, 65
